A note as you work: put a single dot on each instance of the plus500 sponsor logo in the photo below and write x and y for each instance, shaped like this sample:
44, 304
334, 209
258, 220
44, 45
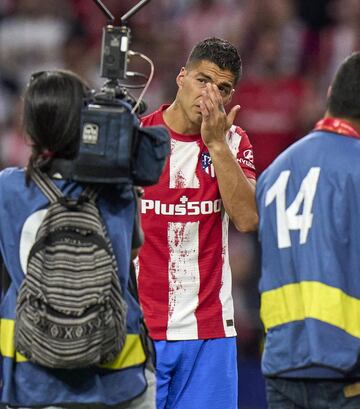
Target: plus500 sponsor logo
181, 209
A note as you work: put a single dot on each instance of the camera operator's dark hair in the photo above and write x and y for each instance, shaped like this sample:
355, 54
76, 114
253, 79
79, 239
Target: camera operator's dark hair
52, 108
218, 51
344, 98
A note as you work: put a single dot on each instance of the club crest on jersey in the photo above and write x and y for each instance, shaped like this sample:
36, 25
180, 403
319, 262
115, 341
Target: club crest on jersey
206, 164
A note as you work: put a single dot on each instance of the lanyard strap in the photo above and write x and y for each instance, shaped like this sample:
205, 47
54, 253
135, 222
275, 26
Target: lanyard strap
338, 126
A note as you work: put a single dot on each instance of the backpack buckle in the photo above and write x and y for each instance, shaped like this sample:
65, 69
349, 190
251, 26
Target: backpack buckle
73, 204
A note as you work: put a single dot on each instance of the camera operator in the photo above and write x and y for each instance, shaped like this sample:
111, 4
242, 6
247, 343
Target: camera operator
52, 107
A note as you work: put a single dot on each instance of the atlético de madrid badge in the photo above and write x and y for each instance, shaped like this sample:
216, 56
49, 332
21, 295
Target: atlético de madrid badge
206, 164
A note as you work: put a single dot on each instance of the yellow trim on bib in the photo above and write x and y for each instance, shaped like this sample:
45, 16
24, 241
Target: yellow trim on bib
132, 353
311, 299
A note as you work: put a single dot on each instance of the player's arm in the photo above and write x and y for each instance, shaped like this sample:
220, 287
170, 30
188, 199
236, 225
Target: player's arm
237, 191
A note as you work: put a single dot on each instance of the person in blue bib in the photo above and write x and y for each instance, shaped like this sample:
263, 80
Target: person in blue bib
52, 108
309, 206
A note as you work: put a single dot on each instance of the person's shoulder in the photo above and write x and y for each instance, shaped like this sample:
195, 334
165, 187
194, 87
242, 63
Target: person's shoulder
12, 182
237, 129
11, 175
154, 118
307, 148
236, 132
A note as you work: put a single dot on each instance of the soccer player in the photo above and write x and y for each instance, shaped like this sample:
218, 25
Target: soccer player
184, 274
309, 207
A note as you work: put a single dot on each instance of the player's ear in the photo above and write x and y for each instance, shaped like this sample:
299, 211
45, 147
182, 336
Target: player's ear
229, 97
329, 91
180, 77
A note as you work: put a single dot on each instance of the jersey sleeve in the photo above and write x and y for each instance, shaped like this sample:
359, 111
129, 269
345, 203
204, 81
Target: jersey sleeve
245, 155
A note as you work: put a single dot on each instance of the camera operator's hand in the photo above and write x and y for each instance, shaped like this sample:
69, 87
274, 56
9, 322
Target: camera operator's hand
215, 122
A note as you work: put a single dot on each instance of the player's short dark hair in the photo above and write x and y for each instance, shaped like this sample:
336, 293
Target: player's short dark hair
344, 98
218, 51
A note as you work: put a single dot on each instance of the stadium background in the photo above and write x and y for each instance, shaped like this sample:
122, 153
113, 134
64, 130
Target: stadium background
290, 50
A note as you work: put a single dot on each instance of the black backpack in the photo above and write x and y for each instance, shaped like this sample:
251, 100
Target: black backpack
70, 311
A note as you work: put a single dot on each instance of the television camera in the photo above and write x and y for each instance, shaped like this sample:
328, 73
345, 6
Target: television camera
114, 148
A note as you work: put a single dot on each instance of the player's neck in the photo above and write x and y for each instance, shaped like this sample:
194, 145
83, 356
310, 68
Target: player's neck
177, 120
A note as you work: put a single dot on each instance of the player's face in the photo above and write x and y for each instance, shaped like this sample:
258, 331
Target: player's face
192, 81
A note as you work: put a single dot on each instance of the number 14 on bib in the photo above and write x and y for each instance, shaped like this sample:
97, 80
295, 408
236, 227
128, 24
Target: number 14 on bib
290, 218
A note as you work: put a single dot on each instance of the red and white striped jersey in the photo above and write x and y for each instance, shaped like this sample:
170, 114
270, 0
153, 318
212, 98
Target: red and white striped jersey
184, 276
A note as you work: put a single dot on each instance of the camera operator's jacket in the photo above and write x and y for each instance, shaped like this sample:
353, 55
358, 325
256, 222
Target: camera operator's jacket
309, 207
22, 209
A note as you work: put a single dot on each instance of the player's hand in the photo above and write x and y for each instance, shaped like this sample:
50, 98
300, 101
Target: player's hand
215, 121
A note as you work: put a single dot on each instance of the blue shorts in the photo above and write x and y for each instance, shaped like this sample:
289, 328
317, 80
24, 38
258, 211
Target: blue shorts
197, 374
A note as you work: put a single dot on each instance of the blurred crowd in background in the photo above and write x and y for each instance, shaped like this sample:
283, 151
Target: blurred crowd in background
290, 50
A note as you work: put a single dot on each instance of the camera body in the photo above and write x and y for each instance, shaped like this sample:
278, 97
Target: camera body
108, 136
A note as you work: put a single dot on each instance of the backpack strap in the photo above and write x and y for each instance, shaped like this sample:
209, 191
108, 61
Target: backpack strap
91, 192
53, 193
46, 185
